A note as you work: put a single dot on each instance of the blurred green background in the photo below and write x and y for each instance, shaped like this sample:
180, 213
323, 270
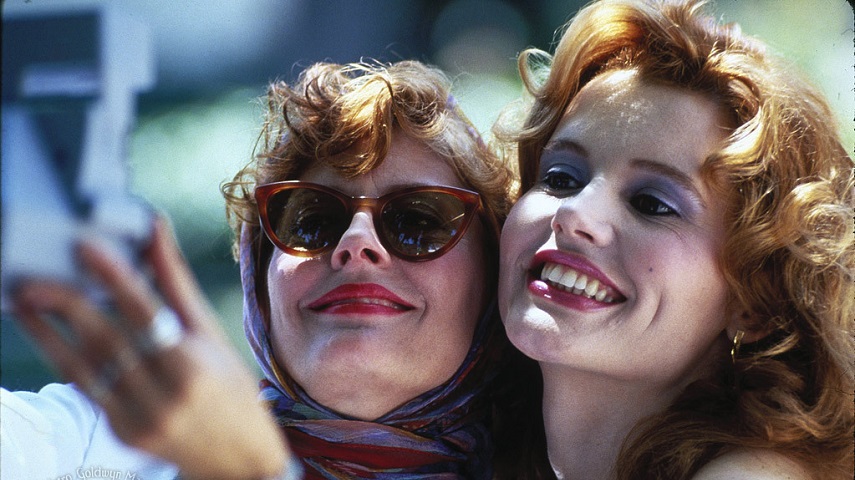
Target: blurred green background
198, 126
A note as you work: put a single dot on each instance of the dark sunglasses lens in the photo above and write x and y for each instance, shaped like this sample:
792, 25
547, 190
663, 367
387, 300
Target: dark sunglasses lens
422, 223
305, 219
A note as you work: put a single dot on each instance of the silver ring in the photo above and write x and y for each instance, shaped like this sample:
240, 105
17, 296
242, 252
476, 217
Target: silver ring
164, 332
106, 380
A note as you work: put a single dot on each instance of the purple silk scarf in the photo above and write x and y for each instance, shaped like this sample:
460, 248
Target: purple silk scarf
442, 434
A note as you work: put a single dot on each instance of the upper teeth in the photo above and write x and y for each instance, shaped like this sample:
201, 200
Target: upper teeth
567, 279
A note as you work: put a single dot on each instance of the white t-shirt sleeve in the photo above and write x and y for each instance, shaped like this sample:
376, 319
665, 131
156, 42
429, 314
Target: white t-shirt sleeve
58, 433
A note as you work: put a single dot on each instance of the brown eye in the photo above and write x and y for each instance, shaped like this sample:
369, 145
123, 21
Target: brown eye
561, 180
650, 205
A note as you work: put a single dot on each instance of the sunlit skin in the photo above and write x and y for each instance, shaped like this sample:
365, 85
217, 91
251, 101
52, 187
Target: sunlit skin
620, 200
363, 331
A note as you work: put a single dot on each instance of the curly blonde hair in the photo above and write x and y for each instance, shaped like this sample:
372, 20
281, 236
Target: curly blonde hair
789, 258
353, 110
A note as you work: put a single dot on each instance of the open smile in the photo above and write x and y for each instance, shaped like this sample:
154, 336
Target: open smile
567, 279
571, 279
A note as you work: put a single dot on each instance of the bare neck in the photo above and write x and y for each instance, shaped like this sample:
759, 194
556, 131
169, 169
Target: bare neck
588, 417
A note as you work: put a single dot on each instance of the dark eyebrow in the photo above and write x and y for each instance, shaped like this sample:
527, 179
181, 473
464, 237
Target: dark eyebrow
676, 175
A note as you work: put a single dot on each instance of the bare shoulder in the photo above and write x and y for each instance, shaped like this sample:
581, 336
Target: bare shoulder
752, 465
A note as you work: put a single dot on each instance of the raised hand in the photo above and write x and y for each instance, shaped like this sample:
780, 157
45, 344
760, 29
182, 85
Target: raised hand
157, 362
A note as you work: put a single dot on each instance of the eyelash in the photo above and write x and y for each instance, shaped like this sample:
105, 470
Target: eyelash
563, 183
639, 203
554, 176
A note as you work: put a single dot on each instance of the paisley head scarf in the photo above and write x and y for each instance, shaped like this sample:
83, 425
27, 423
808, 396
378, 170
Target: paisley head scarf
443, 433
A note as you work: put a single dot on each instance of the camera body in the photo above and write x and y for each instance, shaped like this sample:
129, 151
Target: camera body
69, 82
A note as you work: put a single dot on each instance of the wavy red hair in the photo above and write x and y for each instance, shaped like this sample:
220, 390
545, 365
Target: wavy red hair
789, 259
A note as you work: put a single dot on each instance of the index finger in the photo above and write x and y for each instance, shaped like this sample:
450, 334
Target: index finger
128, 287
176, 280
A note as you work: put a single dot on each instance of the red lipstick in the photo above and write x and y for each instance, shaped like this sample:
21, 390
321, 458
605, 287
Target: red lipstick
360, 298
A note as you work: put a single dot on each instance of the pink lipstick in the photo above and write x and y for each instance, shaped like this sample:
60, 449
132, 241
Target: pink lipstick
572, 281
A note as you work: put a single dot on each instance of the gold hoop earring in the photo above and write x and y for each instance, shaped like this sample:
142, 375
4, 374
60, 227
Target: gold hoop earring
737, 342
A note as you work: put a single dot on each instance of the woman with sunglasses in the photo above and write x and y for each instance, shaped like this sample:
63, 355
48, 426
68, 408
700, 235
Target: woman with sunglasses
368, 242
367, 235
681, 261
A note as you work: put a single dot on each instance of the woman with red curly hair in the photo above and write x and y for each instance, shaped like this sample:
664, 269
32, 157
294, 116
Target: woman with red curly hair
681, 260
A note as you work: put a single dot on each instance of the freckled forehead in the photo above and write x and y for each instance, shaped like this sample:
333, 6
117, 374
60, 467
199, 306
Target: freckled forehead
622, 98
620, 107
617, 90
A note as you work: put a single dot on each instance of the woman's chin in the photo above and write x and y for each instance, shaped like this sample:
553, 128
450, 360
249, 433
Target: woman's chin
528, 327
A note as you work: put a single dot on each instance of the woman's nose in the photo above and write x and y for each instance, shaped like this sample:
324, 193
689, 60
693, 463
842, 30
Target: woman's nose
589, 216
360, 243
